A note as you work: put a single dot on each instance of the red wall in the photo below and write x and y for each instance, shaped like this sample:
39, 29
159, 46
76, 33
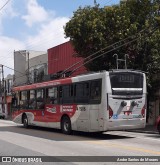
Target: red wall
61, 57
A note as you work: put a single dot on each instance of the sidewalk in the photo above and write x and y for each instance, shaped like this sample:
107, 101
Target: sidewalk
150, 129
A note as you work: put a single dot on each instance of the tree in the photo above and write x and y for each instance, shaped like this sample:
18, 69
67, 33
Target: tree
93, 28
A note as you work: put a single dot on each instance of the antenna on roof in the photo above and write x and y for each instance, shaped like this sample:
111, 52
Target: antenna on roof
121, 60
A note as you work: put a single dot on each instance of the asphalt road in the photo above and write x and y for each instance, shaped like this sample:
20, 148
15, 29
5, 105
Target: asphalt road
37, 141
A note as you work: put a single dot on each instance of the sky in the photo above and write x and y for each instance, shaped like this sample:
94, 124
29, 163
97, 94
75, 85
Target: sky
35, 25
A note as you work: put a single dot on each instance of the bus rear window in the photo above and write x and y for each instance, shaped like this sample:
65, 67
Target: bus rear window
126, 83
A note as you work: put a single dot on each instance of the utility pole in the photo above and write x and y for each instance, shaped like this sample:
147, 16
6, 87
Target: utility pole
0, 91
0, 82
28, 67
3, 86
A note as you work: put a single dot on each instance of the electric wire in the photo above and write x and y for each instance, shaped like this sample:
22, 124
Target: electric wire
101, 51
110, 51
136, 38
4, 5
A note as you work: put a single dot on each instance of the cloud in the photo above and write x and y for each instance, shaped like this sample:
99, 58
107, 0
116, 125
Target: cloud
50, 30
7, 47
7, 11
35, 13
49, 35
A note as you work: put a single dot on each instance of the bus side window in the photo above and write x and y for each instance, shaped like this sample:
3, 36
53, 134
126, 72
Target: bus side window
82, 92
23, 100
40, 99
32, 100
51, 95
15, 101
67, 94
95, 91
60, 94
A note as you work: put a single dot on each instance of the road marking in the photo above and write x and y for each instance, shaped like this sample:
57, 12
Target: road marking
125, 147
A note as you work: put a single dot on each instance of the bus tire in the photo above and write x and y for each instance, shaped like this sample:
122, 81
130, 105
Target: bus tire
25, 121
66, 125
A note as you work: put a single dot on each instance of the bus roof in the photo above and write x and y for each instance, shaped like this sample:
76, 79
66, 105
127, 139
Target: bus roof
68, 80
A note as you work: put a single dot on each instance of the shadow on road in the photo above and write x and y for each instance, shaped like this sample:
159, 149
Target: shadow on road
56, 135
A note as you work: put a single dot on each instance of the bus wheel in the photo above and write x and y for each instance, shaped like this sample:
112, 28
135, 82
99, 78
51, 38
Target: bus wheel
66, 125
25, 121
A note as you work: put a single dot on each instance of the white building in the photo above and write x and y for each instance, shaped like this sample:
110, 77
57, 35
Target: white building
29, 66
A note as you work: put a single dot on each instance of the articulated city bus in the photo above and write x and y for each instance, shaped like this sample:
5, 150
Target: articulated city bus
95, 102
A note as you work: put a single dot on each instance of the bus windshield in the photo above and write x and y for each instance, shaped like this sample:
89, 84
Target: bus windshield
126, 83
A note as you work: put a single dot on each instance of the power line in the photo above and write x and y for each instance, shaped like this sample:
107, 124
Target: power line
4, 5
153, 30
108, 2
12, 69
112, 45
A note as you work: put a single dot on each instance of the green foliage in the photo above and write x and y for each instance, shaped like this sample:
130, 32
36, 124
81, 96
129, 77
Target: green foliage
93, 28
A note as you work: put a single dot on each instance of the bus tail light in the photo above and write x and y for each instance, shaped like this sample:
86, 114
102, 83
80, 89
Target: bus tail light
143, 111
110, 112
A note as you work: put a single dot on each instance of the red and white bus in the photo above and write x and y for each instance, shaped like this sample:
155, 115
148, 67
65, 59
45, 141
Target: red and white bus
95, 102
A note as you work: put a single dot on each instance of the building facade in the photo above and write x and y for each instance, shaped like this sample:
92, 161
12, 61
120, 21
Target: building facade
29, 66
62, 57
6, 96
20, 76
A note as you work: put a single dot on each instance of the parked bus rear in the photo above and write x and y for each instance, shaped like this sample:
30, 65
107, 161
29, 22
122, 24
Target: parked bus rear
126, 100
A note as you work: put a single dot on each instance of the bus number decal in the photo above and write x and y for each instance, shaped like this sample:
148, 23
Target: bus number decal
81, 108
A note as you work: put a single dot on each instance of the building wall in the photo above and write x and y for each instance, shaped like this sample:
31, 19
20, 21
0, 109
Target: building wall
6, 96
19, 67
61, 57
37, 65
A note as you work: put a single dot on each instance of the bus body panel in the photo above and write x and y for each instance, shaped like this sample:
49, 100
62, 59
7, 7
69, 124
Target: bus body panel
91, 117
